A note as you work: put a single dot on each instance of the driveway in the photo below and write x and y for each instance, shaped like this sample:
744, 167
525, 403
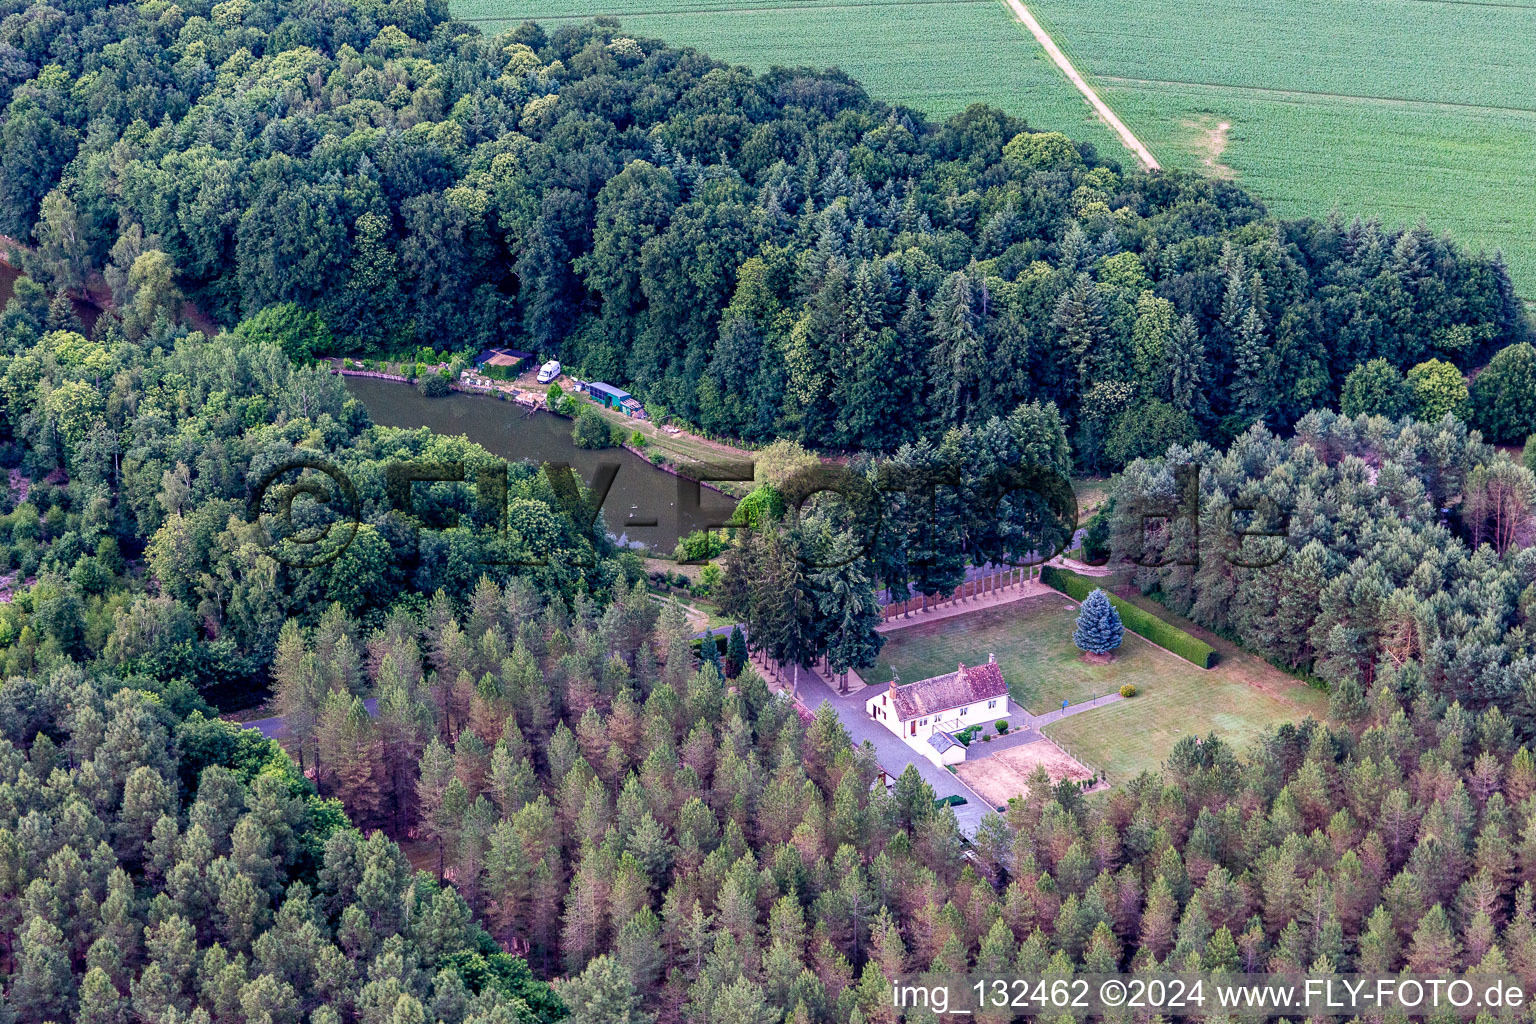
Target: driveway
893, 754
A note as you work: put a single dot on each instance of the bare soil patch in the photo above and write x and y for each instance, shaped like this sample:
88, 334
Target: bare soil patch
1004, 775
1210, 142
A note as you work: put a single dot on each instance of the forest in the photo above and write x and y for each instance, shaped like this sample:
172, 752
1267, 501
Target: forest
511, 792
1406, 563
672, 847
760, 256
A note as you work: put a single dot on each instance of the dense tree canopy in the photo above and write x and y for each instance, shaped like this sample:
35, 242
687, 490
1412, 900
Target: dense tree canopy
761, 255
1403, 560
766, 256
151, 454
167, 868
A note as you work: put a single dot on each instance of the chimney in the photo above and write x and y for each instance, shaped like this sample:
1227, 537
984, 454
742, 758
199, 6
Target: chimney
991, 659
961, 669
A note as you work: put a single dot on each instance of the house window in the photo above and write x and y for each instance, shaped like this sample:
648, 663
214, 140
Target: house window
991, 703
925, 721
964, 710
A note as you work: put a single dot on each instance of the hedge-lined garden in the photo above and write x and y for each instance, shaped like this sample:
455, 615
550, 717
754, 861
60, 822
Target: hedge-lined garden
1138, 620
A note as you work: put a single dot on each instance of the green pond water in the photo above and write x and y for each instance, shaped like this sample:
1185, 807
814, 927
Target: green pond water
640, 491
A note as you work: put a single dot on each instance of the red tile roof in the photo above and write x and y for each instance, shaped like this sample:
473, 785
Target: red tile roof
954, 690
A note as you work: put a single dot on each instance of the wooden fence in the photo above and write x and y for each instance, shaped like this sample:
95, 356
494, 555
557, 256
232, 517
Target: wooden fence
979, 587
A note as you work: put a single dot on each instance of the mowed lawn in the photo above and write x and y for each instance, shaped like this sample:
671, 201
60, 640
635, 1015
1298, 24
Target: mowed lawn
1033, 643
1238, 699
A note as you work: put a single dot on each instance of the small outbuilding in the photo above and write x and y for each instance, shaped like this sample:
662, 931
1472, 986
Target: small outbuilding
617, 399
949, 749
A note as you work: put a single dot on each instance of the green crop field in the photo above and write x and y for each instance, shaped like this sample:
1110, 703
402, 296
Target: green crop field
1398, 109
937, 56
1403, 110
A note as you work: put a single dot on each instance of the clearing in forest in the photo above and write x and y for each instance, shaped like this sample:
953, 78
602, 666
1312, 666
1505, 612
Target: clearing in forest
1238, 699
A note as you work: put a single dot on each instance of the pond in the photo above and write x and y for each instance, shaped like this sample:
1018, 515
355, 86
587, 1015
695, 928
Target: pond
640, 491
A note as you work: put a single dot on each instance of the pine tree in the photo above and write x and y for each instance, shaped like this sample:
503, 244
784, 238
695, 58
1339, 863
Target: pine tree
709, 654
296, 677
1099, 630
1252, 383
1186, 373
1085, 340
960, 358
1434, 947
437, 769
736, 652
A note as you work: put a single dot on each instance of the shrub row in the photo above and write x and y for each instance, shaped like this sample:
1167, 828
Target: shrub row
1137, 620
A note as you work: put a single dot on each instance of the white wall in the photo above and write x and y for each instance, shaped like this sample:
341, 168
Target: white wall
880, 708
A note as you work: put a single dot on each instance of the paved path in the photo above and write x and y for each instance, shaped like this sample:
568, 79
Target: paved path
1041, 721
893, 754
1043, 37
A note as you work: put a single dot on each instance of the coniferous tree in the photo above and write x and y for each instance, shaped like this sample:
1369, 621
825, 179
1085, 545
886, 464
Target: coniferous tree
1187, 372
1252, 388
1099, 630
736, 652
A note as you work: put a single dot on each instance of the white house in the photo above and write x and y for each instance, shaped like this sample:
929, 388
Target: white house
925, 712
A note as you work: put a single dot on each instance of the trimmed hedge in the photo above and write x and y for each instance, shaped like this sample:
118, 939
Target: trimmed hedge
1138, 620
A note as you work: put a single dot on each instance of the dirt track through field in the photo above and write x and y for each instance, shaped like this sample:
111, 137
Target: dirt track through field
1043, 37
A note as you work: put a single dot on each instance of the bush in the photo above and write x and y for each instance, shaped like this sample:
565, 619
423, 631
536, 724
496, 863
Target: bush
1128, 690
699, 546
1504, 395
1096, 537
301, 333
1438, 389
638, 440
591, 430
1139, 621
434, 385
1376, 388
1002, 726
757, 508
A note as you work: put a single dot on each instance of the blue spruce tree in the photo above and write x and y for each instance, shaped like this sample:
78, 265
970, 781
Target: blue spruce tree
1099, 630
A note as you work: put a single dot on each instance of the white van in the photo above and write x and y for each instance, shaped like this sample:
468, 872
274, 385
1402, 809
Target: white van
549, 371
